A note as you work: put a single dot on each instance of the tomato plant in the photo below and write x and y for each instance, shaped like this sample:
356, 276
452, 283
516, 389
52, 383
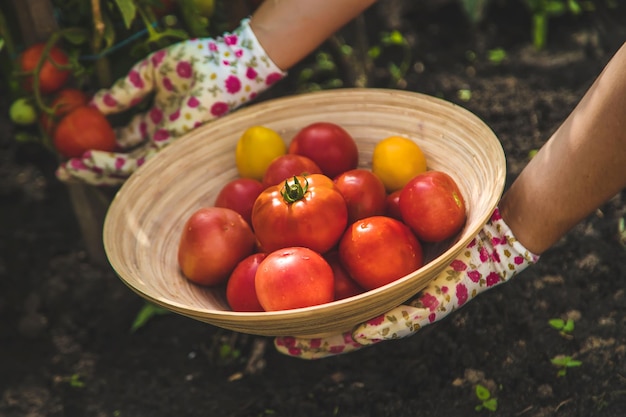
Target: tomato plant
288, 165
213, 241
433, 206
64, 102
240, 288
83, 129
53, 72
364, 193
240, 195
294, 277
304, 211
378, 250
329, 145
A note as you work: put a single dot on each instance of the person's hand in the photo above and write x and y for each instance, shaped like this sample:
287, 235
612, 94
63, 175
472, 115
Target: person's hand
494, 256
194, 81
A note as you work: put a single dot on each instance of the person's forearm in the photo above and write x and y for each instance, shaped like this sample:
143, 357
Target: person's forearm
577, 170
289, 30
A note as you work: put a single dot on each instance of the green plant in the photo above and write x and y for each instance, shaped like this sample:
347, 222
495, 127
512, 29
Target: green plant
565, 327
147, 312
487, 401
563, 363
621, 229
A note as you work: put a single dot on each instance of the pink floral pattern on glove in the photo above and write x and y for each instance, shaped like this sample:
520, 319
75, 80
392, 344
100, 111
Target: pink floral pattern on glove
493, 257
194, 82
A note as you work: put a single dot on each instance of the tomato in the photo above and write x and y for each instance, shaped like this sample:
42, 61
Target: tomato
51, 78
392, 205
329, 145
304, 211
364, 193
288, 165
256, 149
83, 129
240, 289
294, 277
378, 250
344, 285
433, 206
395, 160
239, 195
22, 112
64, 102
214, 240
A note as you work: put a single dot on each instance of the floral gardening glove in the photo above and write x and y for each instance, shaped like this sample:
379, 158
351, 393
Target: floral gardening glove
194, 82
494, 256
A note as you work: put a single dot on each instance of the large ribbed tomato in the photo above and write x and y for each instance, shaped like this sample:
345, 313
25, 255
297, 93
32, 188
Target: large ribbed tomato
304, 211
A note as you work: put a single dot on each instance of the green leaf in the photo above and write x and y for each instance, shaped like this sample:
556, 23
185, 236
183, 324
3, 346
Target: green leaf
482, 392
128, 11
474, 9
491, 404
569, 326
145, 314
557, 323
497, 55
76, 36
573, 363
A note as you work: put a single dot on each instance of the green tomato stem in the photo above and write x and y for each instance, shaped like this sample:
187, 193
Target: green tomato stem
294, 191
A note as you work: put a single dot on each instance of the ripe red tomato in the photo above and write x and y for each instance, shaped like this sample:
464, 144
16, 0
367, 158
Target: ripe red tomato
214, 240
64, 102
378, 250
288, 165
239, 195
364, 193
433, 206
294, 277
392, 206
304, 211
344, 285
240, 289
83, 129
329, 145
51, 78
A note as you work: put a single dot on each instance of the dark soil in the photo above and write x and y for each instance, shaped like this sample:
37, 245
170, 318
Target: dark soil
66, 348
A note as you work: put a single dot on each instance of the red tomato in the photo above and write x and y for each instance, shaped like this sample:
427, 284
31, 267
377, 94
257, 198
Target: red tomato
288, 165
344, 285
378, 250
239, 195
392, 206
240, 289
83, 129
432, 205
304, 211
51, 78
294, 277
328, 145
364, 193
214, 240
64, 102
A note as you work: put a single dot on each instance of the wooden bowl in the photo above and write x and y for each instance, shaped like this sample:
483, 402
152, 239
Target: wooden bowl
145, 219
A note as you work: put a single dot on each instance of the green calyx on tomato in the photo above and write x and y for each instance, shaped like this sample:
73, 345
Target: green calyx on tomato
294, 191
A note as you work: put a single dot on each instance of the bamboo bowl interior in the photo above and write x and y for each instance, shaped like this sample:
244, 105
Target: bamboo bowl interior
145, 219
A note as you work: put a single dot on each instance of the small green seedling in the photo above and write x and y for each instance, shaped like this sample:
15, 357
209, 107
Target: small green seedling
565, 327
486, 400
464, 94
496, 56
563, 363
148, 311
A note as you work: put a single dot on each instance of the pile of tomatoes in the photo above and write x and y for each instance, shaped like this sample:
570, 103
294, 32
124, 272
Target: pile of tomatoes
304, 225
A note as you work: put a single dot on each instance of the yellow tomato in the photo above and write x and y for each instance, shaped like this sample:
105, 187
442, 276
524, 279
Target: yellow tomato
396, 160
256, 149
